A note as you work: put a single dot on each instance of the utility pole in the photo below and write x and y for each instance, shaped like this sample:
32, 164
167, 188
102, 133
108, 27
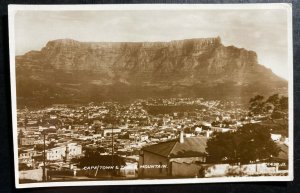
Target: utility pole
25, 119
112, 150
135, 135
44, 158
25, 122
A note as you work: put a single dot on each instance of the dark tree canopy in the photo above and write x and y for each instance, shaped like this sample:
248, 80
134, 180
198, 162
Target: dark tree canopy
252, 142
95, 159
256, 143
276, 106
257, 105
222, 147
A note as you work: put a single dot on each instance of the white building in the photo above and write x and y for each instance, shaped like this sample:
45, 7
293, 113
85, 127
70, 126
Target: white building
109, 131
198, 129
27, 154
53, 116
69, 150
275, 137
144, 137
222, 129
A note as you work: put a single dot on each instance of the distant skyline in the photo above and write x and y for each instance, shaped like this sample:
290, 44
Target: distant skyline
263, 30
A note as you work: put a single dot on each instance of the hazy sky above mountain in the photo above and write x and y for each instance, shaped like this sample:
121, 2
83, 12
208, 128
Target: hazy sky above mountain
263, 31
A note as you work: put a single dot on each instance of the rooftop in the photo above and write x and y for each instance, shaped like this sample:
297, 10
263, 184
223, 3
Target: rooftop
192, 147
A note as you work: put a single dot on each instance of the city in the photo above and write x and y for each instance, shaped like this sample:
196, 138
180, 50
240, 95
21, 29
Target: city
116, 95
144, 139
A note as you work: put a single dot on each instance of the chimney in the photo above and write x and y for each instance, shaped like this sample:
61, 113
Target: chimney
66, 152
208, 133
181, 139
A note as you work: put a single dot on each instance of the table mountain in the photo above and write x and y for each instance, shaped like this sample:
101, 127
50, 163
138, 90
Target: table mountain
69, 71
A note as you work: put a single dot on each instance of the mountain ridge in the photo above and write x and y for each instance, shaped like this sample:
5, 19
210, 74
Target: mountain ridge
169, 69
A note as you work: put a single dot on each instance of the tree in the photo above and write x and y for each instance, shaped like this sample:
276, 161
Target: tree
274, 100
23, 166
252, 142
256, 143
223, 147
281, 110
280, 106
275, 106
271, 103
277, 115
257, 105
283, 103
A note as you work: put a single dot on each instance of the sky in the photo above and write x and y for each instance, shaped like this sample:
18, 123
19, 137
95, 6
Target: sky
263, 31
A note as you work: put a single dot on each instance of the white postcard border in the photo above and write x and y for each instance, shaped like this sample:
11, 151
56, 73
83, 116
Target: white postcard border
12, 9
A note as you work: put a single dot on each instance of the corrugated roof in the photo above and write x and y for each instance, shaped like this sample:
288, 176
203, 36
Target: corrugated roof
283, 153
192, 147
162, 149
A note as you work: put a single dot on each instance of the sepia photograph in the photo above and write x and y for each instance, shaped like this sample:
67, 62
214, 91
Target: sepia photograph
151, 94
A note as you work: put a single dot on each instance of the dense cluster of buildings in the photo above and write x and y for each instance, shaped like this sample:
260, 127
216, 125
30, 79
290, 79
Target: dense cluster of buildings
154, 137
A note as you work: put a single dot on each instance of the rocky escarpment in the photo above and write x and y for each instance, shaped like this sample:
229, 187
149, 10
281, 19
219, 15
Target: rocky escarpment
122, 70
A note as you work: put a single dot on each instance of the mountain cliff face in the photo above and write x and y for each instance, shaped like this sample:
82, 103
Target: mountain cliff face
70, 71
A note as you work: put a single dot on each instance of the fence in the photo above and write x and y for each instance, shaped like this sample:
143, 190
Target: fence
221, 170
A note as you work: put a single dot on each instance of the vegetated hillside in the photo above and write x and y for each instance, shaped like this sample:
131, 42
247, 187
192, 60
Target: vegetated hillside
68, 71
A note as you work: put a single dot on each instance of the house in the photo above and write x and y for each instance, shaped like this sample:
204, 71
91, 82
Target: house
64, 151
26, 141
109, 131
275, 137
26, 154
144, 137
222, 129
159, 160
282, 157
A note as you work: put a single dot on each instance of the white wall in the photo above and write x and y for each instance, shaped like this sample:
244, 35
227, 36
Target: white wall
36, 174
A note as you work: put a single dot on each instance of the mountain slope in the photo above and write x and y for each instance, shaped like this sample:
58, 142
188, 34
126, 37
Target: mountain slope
67, 71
